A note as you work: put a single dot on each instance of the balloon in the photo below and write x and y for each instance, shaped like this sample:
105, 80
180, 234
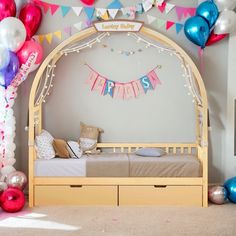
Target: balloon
217, 194
19, 4
31, 16
11, 70
225, 4
12, 33
16, 179
208, 11
7, 8
4, 57
88, 2
3, 186
28, 48
214, 38
230, 186
7, 170
197, 30
226, 23
12, 200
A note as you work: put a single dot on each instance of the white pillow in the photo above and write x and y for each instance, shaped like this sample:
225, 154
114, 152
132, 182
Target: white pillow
43, 145
87, 143
74, 149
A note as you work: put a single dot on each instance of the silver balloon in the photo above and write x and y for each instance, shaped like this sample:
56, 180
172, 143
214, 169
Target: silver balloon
226, 23
3, 186
225, 4
16, 179
12, 33
4, 57
217, 194
19, 4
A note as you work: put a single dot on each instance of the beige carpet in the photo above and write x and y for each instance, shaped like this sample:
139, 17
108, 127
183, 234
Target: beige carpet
120, 221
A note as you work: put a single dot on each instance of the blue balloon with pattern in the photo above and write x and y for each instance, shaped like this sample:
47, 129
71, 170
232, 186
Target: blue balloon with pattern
230, 186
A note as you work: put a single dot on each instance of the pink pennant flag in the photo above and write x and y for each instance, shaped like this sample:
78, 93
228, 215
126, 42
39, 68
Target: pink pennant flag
162, 7
118, 91
45, 6
191, 11
68, 30
138, 88
54, 8
179, 11
99, 84
92, 79
169, 24
128, 91
152, 76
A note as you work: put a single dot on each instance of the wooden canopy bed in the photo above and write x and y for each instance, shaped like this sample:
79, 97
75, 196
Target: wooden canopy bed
120, 190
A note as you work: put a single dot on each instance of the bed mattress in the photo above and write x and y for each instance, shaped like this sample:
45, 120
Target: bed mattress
120, 165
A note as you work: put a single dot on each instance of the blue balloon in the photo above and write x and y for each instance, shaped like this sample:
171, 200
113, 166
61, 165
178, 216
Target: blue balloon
208, 11
230, 186
197, 30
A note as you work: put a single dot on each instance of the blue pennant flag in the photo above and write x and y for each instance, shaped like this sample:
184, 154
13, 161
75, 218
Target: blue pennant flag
116, 4
178, 27
109, 89
89, 12
65, 10
147, 85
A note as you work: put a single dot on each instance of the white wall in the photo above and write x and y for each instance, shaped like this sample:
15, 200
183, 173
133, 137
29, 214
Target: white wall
215, 78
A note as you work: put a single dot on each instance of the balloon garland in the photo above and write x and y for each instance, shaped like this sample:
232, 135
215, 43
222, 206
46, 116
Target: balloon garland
19, 55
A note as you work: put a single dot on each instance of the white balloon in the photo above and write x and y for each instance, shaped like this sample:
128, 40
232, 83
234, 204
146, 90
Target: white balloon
12, 33
225, 4
226, 23
4, 60
7, 170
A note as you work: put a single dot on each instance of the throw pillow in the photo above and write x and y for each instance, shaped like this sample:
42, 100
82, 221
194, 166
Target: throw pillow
74, 149
43, 145
60, 147
150, 152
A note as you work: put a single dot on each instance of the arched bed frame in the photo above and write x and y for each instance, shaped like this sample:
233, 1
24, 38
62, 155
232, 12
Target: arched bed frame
118, 191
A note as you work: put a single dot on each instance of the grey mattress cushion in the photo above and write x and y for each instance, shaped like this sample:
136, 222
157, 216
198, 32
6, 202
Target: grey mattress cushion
150, 152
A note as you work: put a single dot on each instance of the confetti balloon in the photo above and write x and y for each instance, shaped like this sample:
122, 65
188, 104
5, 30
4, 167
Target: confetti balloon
217, 194
12, 200
230, 186
16, 179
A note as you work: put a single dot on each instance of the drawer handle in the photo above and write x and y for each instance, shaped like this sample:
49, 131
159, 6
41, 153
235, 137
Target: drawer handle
76, 186
160, 186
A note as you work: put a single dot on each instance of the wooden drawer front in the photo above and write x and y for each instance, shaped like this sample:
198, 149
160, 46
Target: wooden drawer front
75, 195
160, 195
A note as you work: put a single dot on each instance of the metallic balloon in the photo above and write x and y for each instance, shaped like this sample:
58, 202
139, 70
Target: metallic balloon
16, 179
7, 8
197, 30
226, 23
230, 186
4, 57
208, 11
12, 33
217, 194
3, 186
225, 4
214, 38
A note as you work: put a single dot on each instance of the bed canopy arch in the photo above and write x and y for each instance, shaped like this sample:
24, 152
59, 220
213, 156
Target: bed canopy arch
43, 83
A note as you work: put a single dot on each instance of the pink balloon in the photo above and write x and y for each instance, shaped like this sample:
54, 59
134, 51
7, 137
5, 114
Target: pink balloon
215, 38
88, 2
31, 16
29, 47
7, 8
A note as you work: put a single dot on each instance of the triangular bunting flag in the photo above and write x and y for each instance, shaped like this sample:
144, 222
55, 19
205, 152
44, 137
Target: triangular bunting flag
54, 8
78, 25
68, 30
159, 2
169, 24
49, 37
102, 13
162, 7
179, 11
151, 19
147, 5
113, 12
45, 6
41, 38
178, 27
160, 23
65, 10
89, 12
169, 7
77, 10
191, 11
58, 34
116, 4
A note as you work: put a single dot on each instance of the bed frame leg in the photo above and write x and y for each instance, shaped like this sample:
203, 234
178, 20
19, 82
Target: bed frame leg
205, 196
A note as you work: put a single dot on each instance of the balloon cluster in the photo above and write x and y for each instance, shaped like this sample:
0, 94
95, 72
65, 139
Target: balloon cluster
11, 192
19, 20
214, 20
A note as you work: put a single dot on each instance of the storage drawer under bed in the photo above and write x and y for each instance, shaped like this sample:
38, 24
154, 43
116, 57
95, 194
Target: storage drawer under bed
75, 195
160, 195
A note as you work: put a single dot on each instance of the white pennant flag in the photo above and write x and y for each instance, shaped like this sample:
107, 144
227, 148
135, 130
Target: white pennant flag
151, 19
169, 7
78, 25
147, 5
113, 12
101, 11
77, 10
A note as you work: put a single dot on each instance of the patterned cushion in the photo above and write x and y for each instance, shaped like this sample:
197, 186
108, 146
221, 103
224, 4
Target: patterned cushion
87, 144
74, 149
43, 145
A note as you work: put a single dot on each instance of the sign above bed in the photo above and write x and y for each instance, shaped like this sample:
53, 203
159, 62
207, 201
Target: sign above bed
118, 26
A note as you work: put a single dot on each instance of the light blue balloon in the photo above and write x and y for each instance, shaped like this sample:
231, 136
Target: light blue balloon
209, 11
230, 186
197, 30
4, 57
